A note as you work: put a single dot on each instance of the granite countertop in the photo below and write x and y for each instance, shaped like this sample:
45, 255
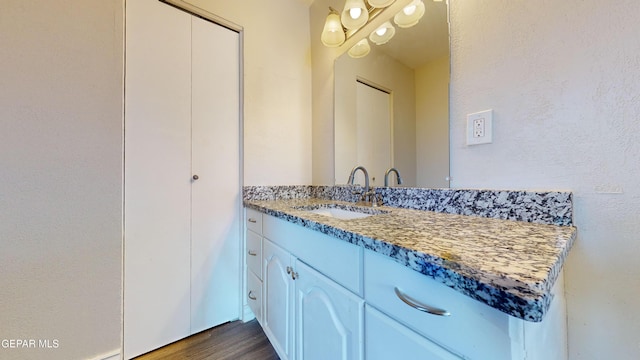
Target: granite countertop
508, 265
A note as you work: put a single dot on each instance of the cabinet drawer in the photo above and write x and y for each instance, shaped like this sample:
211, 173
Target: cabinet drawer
254, 220
254, 253
336, 259
473, 329
254, 295
388, 339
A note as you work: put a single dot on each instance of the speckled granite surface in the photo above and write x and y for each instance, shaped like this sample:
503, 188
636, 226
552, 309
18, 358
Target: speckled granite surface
548, 207
509, 265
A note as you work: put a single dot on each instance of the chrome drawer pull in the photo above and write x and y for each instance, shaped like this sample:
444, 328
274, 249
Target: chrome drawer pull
252, 253
252, 220
418, 305
251, 296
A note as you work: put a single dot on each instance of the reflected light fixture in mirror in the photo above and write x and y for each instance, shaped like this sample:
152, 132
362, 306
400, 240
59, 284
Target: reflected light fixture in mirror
410, 15
383, 34
360, 49
357, 13
380, 3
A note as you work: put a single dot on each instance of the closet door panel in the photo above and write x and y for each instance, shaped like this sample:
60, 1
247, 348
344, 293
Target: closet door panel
157, 153
215, 245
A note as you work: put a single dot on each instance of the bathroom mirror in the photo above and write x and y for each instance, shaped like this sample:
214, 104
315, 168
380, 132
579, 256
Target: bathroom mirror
392, 106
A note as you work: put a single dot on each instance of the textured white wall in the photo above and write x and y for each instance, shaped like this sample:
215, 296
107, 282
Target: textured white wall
277, 93
563, 79
61, 176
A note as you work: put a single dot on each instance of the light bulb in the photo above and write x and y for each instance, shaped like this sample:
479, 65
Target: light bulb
382, 34
409, 10
410, 14
355, 13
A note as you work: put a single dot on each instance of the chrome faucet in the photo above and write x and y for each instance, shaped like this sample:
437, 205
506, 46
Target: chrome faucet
352, 177
386, 176
367, 191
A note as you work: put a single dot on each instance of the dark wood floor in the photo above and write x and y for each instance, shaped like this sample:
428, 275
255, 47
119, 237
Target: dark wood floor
234, 340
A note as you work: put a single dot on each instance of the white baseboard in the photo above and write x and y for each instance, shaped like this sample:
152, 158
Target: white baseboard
111, 355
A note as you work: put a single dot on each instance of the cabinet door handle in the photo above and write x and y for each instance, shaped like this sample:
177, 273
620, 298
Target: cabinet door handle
252, 220
251, 296
294, 275
252, 253
418, 305
195, 177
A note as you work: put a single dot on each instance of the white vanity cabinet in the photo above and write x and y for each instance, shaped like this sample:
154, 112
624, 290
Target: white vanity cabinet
253, 258
307, 314
455, 321
278, 299
458, 323
324, 298
328, 318
387, 339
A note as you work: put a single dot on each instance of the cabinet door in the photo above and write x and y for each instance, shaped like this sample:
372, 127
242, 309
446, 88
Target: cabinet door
388, 339
329, 318
254, 295
278, 299
157, 204
216, 210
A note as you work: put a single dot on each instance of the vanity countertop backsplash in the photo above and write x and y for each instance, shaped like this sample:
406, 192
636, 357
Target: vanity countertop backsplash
503, 248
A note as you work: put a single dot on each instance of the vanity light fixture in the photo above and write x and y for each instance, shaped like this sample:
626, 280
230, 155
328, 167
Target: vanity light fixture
333, 33
383, 34
410, 15
355, 14
380, 3
358, 13
360, 49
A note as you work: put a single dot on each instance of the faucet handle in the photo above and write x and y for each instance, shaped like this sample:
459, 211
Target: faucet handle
377, 200
369, 196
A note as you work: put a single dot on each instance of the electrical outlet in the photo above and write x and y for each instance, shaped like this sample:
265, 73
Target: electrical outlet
479, 127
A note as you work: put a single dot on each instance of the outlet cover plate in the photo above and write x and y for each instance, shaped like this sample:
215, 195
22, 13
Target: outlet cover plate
485, 117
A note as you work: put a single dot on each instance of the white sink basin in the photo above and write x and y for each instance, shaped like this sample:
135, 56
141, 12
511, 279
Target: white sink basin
342, 212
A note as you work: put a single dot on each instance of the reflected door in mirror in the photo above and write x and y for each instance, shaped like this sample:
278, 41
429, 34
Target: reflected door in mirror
373, 128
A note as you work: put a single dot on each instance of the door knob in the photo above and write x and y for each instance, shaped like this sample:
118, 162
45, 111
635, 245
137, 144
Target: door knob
196, 177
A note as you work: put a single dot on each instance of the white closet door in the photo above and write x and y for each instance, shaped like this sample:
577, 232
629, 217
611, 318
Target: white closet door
215, 242
374, 136
157, 153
